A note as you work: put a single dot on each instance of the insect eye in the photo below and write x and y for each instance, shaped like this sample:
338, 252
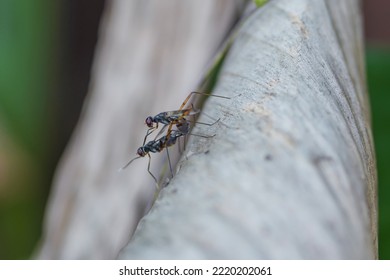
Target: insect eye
141, 152
149, 121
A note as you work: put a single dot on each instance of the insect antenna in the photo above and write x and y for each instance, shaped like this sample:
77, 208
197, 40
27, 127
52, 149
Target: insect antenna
127, 164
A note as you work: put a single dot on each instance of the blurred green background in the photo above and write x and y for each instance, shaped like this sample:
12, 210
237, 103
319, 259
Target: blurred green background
378, 76
46, 51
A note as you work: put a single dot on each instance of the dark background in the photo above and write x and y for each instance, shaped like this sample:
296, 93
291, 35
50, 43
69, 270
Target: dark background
46, 51
377, 31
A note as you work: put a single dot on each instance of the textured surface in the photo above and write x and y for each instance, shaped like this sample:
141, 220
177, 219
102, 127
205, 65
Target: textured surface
151, 53
291, 173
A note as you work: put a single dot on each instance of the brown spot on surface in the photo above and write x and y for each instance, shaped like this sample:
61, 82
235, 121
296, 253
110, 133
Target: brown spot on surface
301, 26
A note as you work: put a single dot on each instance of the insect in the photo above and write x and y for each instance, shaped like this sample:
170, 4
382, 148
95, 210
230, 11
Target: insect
168, 119
173, 117
165, 141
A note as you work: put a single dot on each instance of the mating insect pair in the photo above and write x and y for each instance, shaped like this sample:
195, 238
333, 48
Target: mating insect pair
169, 119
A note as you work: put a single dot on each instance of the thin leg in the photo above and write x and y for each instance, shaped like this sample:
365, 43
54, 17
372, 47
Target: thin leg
200, 135
209, 124
208, 94
180, 150
150, 131
161, 131
196, 111
181, 107
185, 102
151, 174
204, 136
169, 161
184, 142
200, 93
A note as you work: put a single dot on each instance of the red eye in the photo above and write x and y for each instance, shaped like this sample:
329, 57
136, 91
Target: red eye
149, 121
141, 152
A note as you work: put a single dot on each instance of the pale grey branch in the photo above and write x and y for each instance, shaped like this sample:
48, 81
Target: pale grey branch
291, 173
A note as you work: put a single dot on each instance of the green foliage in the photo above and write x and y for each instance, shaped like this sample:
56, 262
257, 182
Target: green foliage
26, 41
260, 3
378, 69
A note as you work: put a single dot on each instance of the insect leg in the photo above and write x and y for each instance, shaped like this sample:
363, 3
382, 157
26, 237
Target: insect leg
151, 174
185, 102
179, 145
200, 93
150, 131
200, 135
161, 131
209, 124
169, 161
